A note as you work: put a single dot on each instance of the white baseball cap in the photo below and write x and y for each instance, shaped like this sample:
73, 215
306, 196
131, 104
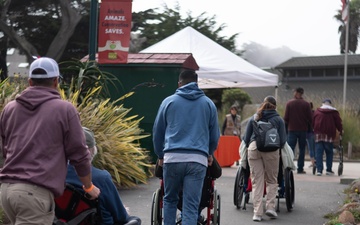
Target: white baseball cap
49, 65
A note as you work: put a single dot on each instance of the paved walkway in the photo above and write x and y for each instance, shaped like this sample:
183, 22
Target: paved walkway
315, 197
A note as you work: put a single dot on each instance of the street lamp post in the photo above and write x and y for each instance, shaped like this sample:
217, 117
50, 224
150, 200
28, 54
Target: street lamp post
93, 29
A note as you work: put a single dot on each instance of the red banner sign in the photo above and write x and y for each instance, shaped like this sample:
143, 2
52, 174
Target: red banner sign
114, 31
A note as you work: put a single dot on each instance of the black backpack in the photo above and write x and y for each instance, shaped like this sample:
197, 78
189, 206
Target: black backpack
266, 136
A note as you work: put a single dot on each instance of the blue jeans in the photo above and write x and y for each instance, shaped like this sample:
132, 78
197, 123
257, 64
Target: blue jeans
320, 147
310, 139
292, 138
189, 177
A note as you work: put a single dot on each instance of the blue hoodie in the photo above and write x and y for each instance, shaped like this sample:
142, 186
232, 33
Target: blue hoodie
186, 122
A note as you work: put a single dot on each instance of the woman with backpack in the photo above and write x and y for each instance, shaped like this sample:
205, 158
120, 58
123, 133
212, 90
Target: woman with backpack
264, 161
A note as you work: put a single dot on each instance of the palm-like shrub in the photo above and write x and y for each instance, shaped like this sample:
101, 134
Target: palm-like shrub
117, 136
116, 133
79, 76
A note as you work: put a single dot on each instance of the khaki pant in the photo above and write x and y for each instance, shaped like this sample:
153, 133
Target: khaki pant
27, 204
264, 166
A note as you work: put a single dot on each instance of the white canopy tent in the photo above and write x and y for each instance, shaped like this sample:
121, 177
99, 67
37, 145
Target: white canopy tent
219, 68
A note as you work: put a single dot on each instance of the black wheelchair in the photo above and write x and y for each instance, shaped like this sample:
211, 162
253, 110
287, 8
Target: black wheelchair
73, 208
210, 200
242, 187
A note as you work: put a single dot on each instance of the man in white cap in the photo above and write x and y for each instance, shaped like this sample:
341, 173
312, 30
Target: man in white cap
40, 133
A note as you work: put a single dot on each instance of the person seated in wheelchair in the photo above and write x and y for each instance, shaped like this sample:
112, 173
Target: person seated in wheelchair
111, 207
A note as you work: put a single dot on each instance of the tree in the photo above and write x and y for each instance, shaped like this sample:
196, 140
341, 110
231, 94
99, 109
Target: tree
40, 27
353, 27
234, 96
157, 26
60, 28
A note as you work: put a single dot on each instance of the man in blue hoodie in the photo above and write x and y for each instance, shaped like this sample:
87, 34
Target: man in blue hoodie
185, 135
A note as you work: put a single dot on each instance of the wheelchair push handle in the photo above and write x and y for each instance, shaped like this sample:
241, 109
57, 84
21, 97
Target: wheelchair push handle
87, 195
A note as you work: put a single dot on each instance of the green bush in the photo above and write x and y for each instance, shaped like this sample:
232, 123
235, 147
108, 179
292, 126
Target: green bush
234, 96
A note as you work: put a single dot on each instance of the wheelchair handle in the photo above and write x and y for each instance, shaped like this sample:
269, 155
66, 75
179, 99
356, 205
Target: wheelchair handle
87, 195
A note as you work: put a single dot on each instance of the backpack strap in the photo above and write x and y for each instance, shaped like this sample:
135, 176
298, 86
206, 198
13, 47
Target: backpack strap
80, 217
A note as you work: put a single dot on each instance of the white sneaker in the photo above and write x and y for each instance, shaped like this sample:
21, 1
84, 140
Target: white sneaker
318, 174
256, 218
271, 213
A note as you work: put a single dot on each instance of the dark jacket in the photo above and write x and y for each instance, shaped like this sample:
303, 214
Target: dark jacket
297, 115
326, 121
271, 116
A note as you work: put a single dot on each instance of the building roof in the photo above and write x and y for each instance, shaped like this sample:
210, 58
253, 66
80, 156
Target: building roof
17, 63
185, 59
319, 62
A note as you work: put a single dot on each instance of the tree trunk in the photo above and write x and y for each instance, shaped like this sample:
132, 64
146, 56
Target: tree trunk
69, 20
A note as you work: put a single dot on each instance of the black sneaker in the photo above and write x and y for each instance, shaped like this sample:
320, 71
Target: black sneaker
330, 173
301, 172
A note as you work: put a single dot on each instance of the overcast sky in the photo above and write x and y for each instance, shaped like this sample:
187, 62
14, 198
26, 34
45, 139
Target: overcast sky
305, 26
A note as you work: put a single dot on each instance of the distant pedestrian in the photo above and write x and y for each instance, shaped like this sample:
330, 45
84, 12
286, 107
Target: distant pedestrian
297, 120
326, 121
232, 124
185, 135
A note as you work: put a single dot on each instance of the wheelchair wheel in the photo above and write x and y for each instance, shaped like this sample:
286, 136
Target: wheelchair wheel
239, 187
216, 210
340, 169
156, 211
314, 169
289, 189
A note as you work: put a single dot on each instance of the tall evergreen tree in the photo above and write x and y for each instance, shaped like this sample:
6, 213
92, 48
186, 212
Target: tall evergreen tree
157, 26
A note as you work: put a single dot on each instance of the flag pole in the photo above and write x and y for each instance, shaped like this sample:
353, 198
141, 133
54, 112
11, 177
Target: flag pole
347, 21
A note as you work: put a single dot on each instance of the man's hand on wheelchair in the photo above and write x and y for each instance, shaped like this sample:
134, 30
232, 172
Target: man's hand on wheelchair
161, 162
210, 160
92, 193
